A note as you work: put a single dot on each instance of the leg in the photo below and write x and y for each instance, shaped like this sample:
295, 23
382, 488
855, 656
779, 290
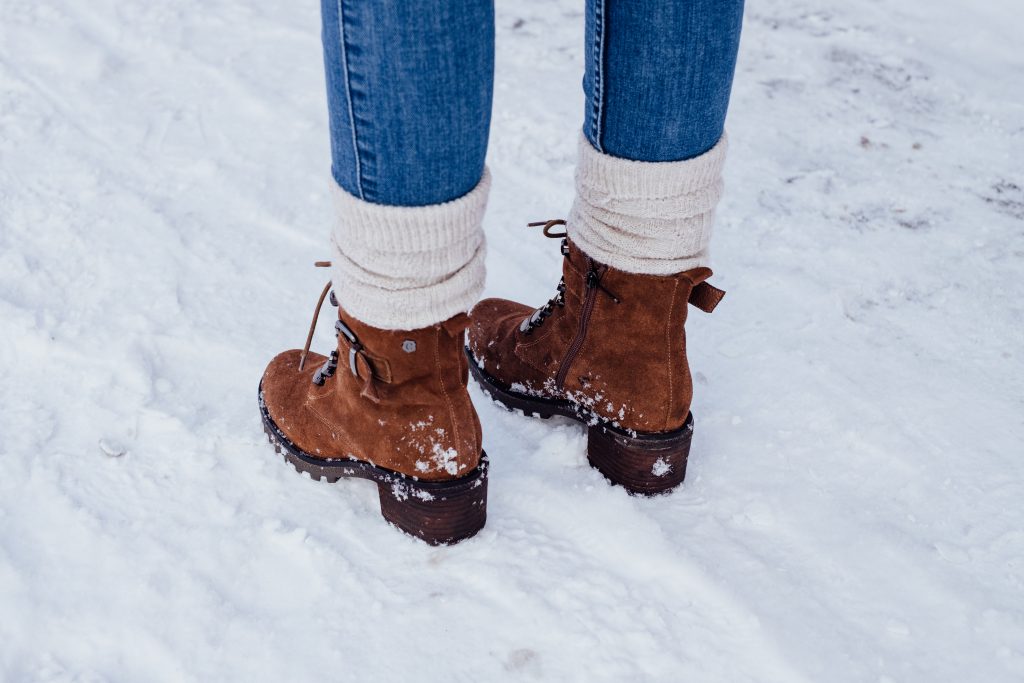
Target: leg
657, 83
409, 94
609, 349
658, 76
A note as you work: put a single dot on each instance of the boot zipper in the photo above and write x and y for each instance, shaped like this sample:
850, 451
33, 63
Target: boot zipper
593, 280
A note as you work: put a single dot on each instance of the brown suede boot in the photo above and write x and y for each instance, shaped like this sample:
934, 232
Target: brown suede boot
610, 351
392, 407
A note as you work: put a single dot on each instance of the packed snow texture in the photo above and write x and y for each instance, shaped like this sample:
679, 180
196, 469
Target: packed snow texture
853, 504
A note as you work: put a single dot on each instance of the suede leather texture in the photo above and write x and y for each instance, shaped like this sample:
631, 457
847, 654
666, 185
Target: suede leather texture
415, 416
631, 369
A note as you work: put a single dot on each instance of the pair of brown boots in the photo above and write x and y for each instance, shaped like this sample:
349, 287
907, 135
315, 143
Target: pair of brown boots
609, 350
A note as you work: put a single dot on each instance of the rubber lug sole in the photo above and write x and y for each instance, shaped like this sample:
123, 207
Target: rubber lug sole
438, 512
644, 464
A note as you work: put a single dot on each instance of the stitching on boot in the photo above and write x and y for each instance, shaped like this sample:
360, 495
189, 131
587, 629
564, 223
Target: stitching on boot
320, 395
444, 390
533, 365
547, 333
334, 430
668, 352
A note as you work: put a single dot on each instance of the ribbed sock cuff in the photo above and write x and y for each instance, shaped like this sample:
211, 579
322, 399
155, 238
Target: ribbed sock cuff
646, 217
408, 267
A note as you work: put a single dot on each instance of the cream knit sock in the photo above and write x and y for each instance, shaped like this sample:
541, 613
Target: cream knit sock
407, 267
646, 217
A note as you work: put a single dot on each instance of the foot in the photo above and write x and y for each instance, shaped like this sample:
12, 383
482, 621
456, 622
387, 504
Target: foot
388, 406
609, 350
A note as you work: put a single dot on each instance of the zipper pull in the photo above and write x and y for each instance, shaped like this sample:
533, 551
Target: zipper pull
594, 281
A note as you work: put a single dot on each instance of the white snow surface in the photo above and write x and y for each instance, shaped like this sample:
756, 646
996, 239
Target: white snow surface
853, 504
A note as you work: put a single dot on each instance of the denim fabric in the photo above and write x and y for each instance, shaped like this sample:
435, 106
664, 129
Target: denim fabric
658, 75
409, 86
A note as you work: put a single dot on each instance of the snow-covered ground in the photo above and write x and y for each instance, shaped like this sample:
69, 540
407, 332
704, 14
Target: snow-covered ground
853, 510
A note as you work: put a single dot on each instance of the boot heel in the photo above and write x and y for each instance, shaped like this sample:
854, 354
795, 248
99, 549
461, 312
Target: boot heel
646, 464
440, 513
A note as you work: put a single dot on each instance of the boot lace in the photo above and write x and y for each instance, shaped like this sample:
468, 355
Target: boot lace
537, 318
358, 362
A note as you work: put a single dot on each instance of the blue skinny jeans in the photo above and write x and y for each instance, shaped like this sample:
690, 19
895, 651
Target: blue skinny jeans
409, 88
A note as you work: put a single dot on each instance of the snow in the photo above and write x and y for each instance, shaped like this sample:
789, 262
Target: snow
852, 505
660, 467
445, 459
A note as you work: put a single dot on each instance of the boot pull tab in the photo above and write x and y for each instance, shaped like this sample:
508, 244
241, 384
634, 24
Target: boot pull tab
456, 325
706, 296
